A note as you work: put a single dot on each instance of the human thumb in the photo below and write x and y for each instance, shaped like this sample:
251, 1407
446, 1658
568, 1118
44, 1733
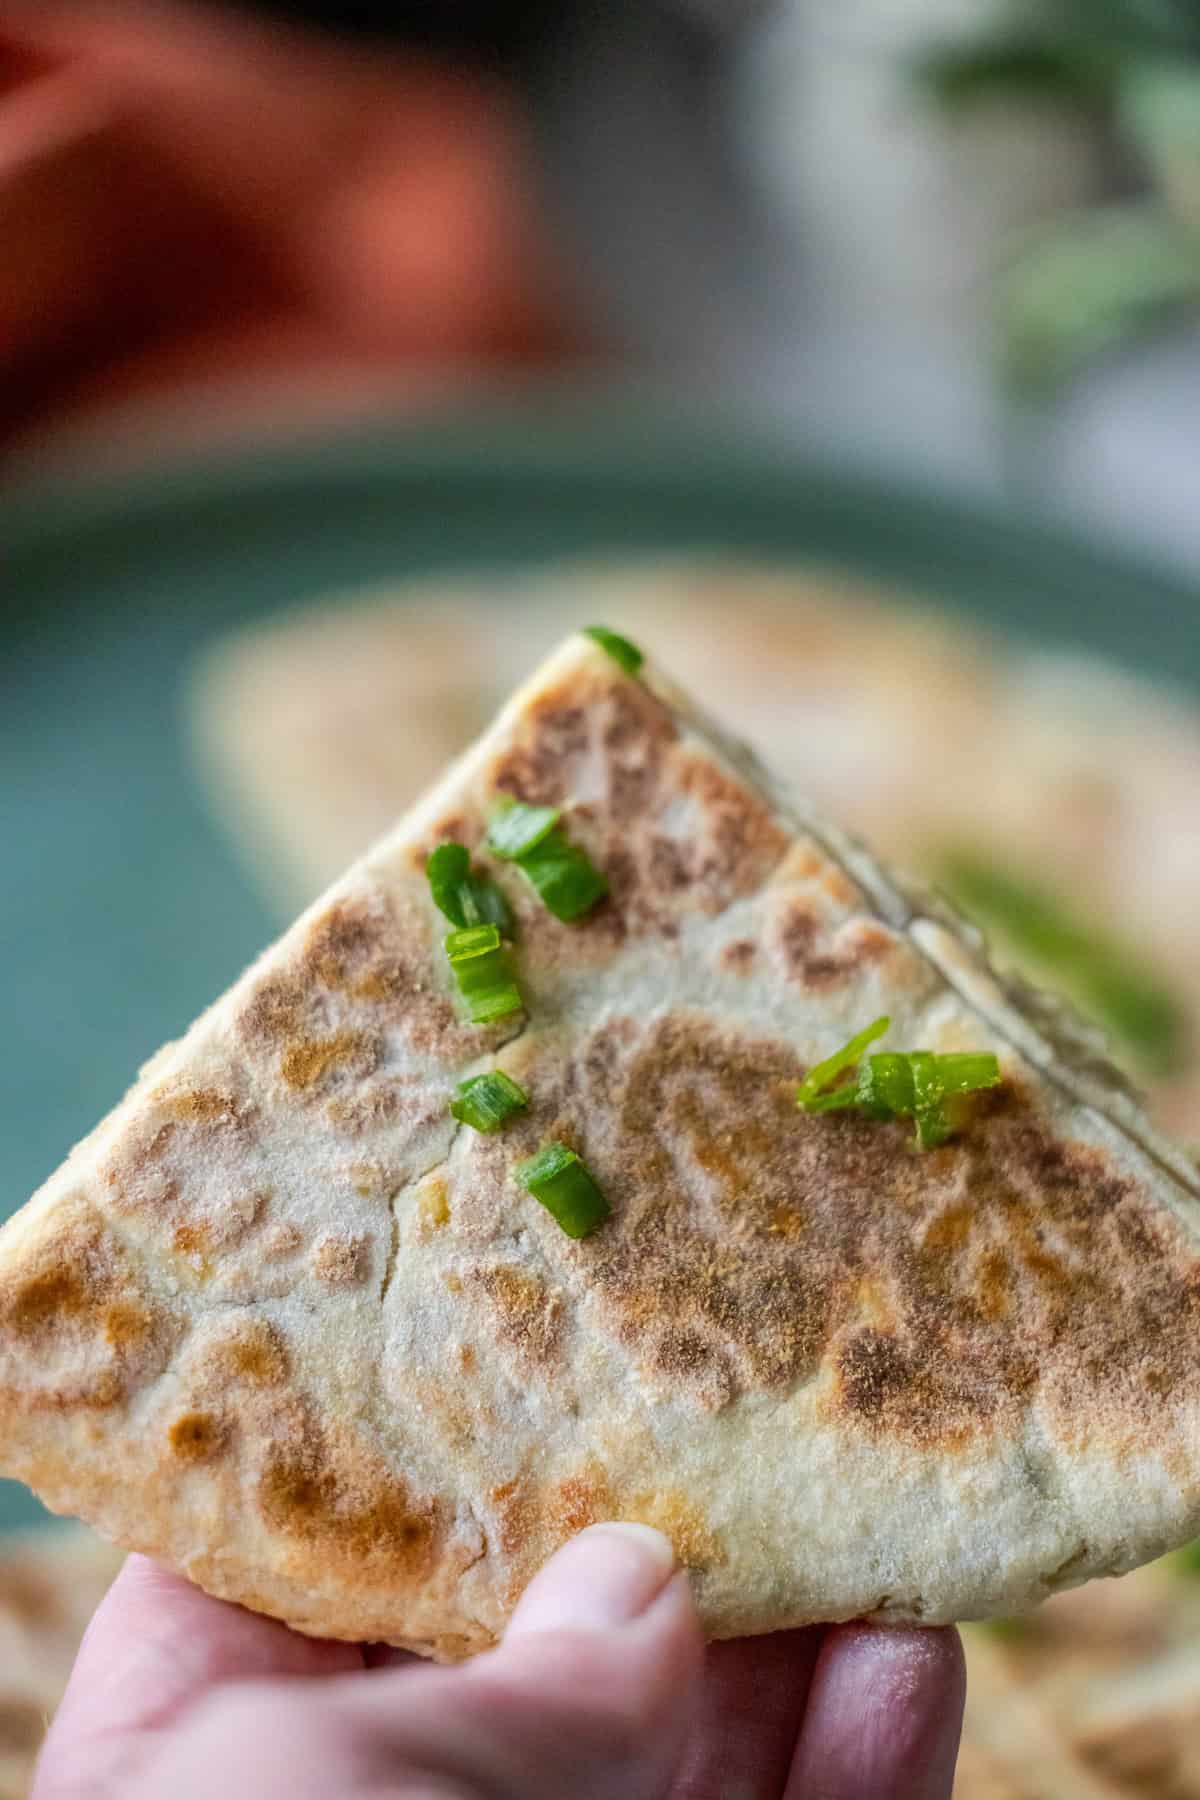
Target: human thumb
590, 1694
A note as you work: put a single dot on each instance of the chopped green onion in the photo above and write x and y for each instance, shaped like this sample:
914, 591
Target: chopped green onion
485, 1101
810, 1096
885, 1086
1107, 979
892, 1085
516, 829
481, 970
968, 1072
567, 881
447, 868
836, 1101
933, 1127
627, 655
465, 898
485, 904
557, 1178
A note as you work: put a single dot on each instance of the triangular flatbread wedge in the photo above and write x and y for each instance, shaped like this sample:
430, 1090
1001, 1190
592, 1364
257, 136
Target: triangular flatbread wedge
283, 1323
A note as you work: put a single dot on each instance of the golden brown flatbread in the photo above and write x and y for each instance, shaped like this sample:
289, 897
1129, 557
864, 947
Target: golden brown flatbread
281, 1323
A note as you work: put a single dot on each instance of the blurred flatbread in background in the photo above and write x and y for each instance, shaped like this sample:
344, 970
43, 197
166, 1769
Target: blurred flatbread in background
1055, 778
1095, 1697
51, 1582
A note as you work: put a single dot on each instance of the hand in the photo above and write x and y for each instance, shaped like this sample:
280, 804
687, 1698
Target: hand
601, 1690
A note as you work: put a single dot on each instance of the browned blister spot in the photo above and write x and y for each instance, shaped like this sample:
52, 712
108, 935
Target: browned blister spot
752, 1246
536, 1517
186, 1179
307, 1061
195, 1437
334, 1499
363, 965
129, 1325
818, 957
739, 956
528, 1315
341, 1259
198, 1106
77, 1327
368, 1105
252, 1351
695, 1543
281, 1241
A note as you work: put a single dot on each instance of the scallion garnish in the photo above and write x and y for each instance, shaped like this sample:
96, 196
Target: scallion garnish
516, 829
892, 1085
933, 1127
627, 655
557, 1178
811, 1095
481, 970
567, 881
485, 1101
465, 897
967, 1072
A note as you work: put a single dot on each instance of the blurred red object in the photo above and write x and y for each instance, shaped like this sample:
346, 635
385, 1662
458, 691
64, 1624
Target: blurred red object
196, 198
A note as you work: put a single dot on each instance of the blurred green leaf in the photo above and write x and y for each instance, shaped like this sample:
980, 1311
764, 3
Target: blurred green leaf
1102, 279
961, 76
1185, 1561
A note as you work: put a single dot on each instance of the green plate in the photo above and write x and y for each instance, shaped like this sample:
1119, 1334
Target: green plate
122, 910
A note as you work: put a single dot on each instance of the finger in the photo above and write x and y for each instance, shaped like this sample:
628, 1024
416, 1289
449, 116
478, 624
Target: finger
154, 1647
590, 1694
884, 1716
594, 1689
753, 1697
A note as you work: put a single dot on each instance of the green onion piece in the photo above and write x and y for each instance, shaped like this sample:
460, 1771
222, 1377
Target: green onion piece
894, 1085
567, 881
485, 1101
447, 869
516, 828
809, 1094
627, 655
557, 1178
966, 1072
484, 904
481, 970
465, 898
837, 1101
885, 1086
933, 1127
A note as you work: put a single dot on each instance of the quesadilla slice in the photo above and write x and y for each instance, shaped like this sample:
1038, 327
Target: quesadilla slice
482, 1207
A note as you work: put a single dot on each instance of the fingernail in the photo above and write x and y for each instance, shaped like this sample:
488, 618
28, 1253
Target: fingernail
601, 1580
